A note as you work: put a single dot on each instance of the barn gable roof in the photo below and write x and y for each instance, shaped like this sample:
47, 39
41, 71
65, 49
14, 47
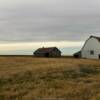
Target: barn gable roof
98, 38
46, 50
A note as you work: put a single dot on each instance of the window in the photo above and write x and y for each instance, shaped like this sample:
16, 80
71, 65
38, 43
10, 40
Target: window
92, 52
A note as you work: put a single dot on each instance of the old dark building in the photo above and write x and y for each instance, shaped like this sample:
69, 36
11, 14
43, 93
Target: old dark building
77, 54
47, 52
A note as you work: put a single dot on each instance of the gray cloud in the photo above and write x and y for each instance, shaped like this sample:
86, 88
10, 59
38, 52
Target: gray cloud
49, 20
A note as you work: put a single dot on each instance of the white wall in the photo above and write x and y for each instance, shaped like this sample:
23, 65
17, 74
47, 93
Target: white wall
91, 44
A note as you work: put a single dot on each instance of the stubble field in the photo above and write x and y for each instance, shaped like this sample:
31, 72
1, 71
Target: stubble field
29, 78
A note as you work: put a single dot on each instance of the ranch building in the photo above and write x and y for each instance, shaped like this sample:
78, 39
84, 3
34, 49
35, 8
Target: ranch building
48, 52
91, 48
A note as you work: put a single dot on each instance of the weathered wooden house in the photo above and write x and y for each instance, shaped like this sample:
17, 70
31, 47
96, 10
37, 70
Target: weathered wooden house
48, 52
91, 48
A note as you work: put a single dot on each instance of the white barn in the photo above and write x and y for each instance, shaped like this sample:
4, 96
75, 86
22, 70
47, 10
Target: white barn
91, 48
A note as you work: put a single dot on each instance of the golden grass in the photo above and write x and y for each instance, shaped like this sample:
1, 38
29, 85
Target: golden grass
29, 78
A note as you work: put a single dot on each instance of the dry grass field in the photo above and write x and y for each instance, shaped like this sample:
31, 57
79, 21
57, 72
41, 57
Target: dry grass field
29, 78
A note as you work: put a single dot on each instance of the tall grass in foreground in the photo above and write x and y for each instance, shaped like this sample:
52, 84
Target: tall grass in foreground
40, 79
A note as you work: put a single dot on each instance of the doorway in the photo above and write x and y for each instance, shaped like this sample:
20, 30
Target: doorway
99, 56
46, 54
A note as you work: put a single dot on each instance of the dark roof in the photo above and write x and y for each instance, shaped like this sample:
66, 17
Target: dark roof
98, 38
79, 52
45, 50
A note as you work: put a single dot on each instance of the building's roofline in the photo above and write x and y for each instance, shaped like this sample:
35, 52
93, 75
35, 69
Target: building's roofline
45, 50
92, 36
78, 52
98, 38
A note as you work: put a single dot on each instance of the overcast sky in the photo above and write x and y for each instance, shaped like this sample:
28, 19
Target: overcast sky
48, 21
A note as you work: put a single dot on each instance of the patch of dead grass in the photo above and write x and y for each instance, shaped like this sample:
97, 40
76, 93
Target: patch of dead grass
23, 78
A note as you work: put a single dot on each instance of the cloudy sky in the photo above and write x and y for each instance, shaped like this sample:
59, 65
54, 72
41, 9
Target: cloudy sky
28, 24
